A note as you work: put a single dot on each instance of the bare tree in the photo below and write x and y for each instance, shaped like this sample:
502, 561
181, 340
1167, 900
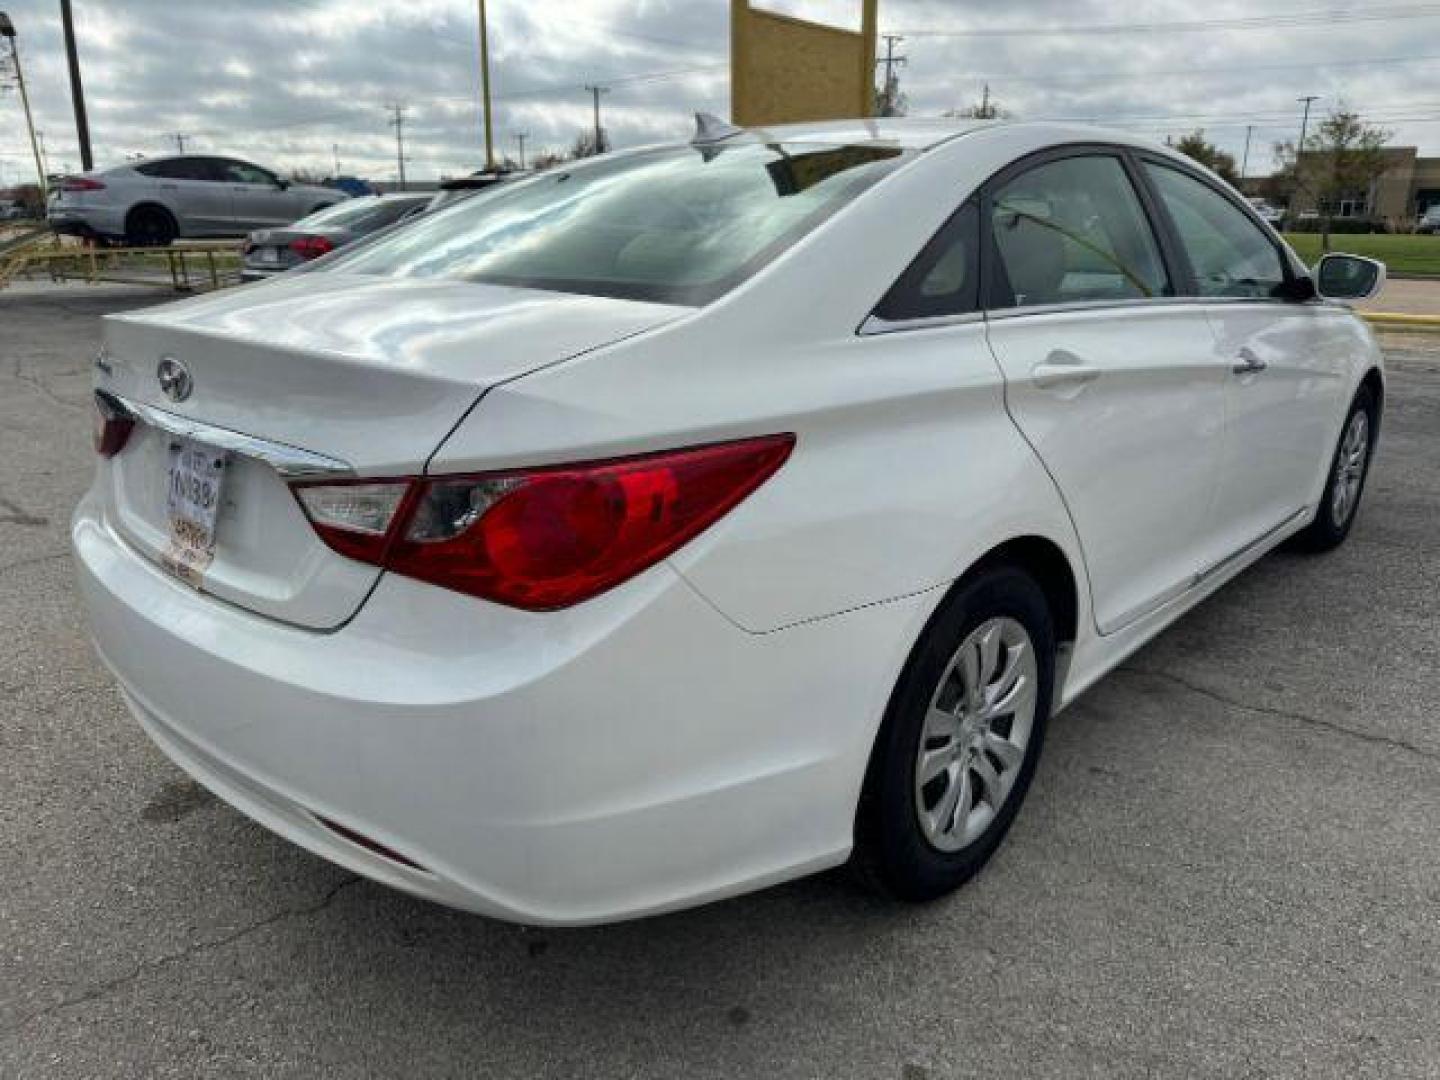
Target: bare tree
987, 108
1342, 158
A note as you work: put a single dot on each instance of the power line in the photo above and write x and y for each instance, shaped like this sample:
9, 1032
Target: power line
1274, 20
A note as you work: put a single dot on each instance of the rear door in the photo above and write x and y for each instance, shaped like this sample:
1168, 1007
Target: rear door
1283, 386
1109, 375
193, 187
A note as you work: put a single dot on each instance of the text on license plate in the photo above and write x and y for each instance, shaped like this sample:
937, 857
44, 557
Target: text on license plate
195, 476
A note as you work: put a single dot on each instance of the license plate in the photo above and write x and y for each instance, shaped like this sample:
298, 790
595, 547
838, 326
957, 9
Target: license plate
270, 255
196, 476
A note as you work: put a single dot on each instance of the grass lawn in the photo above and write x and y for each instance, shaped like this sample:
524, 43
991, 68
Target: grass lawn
1404, 254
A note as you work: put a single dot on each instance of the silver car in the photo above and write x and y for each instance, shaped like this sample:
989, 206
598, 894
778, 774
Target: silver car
150, 203
273, 251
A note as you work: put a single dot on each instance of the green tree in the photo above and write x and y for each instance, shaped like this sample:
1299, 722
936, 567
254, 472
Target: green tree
1196, 147
1342, 158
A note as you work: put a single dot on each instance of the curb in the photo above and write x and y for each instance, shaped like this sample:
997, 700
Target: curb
1394, 318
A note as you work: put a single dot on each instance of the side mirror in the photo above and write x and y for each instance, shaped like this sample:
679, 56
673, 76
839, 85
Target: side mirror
1348, 277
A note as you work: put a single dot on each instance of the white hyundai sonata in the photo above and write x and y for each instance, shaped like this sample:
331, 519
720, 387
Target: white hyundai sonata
693, 518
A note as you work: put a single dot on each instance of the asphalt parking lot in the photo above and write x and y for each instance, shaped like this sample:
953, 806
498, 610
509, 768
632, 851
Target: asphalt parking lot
1229, 864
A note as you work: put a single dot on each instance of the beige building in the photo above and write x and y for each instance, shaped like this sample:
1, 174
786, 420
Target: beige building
1400, 194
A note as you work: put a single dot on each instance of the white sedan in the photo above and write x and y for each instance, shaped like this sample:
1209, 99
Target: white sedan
693, 518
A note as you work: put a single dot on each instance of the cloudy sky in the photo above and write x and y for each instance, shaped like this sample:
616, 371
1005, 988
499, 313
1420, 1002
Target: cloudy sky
300, 83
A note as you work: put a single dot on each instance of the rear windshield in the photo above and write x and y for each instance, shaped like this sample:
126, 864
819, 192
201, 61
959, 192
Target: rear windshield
675, 225
359, 215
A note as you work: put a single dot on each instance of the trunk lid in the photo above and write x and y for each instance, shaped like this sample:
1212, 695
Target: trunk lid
371, 372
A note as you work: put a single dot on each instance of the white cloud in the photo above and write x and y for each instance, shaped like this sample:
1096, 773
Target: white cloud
287, 82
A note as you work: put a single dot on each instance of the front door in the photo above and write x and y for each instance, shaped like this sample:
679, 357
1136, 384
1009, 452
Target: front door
1282, 385
1111, 379
259, 200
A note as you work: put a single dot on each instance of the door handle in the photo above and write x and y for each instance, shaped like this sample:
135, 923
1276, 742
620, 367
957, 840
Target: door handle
1248, 363
1062, 369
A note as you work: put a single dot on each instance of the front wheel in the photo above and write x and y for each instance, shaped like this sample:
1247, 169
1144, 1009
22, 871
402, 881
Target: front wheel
1346, 481
960, 740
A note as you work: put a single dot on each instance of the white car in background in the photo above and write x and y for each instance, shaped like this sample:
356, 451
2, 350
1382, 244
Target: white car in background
150, 203
684, 520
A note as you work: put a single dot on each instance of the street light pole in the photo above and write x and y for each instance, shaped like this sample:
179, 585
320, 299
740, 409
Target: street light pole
7, 30
485, 90
77, 90
595, 92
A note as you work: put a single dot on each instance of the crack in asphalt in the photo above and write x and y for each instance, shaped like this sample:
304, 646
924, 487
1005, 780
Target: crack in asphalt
1286, 714
20, 564
35, 383
109, 986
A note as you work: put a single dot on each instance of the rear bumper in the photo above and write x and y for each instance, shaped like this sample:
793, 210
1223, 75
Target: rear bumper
635, 754
87, 222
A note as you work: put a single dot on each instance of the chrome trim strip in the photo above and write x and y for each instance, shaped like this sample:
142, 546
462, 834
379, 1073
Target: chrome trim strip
1194, 581
291, 462
874, 324
1235, 556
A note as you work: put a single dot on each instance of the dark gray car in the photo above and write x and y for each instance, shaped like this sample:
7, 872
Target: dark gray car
273, 251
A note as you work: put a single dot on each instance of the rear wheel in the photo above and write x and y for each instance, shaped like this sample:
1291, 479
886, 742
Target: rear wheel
1346, 481
150, 226
961, 739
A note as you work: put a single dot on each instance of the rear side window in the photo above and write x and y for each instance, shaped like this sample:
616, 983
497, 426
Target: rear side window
180, 169
1229, 254
944, 279
1072, 231
676, 225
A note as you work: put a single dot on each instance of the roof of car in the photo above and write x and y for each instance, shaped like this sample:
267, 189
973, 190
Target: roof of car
922, 133
910, 132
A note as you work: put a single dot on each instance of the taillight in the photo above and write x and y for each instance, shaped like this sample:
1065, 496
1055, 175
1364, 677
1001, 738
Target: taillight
112, 426
547, 538
81, 183
355, 519
311, 247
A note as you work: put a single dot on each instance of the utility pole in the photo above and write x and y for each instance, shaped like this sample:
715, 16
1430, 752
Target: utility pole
179, 137
398, 123
891, 94
485, 90
77, 91
595, 92
520, 137
1304, 122
7, 30
1245, 161
335, 152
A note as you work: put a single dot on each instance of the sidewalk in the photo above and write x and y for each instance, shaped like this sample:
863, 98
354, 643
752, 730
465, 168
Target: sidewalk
1407, 298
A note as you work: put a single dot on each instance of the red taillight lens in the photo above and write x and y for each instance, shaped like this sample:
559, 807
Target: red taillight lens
548, 538
112, 427
311, 247
81, 183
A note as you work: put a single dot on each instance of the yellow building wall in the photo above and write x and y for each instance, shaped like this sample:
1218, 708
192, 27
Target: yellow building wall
786, 70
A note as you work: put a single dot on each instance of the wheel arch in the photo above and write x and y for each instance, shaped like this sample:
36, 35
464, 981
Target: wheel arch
1046, 562
152, 204
1374, 381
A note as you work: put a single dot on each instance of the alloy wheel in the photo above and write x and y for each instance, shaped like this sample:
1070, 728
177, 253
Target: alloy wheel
976, 733
1350, 468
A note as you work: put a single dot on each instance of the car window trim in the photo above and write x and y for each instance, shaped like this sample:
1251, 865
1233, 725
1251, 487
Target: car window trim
1278, 246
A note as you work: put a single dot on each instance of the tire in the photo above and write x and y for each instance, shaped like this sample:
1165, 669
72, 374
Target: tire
150, 226
1350, 466
908, 845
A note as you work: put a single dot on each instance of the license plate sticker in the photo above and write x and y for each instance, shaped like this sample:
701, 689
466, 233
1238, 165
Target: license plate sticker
194, 481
